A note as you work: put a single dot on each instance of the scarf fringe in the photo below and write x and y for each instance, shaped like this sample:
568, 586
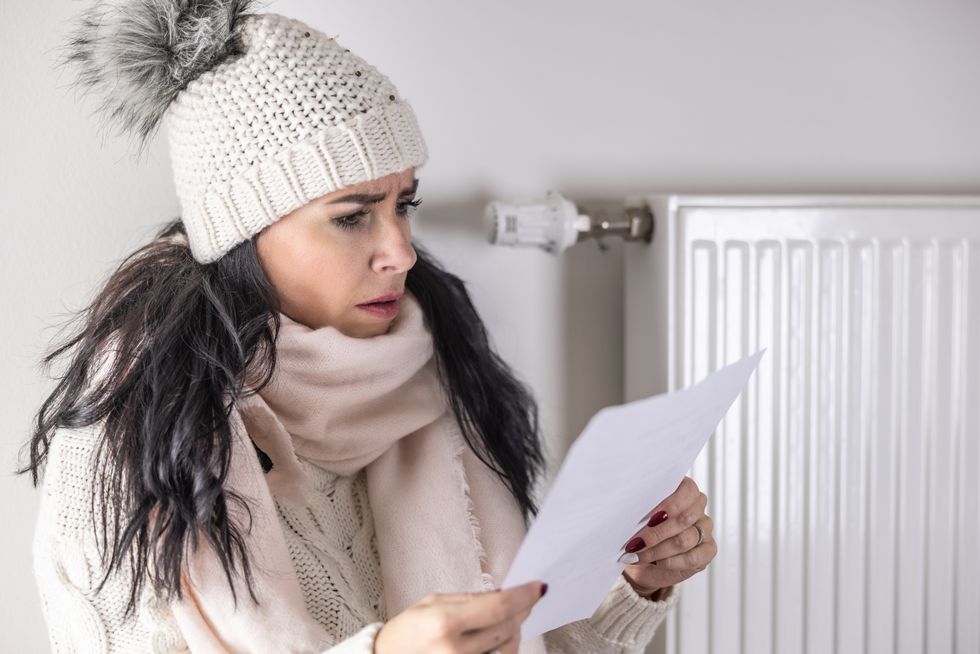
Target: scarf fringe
459, 447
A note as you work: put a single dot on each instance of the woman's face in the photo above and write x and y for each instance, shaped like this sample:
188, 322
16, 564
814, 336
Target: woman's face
324, 261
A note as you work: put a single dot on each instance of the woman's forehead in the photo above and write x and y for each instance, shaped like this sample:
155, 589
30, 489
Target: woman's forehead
404, 182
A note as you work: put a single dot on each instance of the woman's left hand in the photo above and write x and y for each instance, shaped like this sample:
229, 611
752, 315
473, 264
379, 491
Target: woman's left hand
668, 547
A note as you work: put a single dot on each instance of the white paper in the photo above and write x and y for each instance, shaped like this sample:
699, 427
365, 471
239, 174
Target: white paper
628, 459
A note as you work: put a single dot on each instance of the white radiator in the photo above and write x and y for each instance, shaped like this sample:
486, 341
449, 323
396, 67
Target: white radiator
844, 482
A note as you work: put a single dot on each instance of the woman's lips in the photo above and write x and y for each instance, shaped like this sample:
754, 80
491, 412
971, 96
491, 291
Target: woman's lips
381, 309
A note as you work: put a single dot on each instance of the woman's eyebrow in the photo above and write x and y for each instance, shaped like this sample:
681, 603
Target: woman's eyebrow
369, 198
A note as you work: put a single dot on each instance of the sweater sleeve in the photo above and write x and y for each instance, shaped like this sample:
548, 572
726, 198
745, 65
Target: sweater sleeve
67, 568
624, 623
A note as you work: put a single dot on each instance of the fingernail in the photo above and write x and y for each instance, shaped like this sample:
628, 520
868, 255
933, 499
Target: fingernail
544, 589
657, 518
629, 558
635, 544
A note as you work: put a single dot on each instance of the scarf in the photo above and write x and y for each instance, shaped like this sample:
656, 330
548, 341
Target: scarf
444, 522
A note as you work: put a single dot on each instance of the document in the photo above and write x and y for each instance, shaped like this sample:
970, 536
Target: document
628, 459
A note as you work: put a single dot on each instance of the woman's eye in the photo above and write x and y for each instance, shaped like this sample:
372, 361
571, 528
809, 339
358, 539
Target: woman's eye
403, 207
352, 221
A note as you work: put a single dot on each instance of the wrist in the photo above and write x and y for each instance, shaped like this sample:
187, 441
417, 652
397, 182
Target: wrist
652, 594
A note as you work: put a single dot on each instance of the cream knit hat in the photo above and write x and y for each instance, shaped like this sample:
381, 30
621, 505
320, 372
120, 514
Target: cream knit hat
264, 113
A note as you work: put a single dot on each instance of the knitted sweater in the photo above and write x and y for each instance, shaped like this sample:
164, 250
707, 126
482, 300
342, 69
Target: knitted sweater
331, 544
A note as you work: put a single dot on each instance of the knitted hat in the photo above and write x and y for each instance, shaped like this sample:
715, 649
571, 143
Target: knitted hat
264, 113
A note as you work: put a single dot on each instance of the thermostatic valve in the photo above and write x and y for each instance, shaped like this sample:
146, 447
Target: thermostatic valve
552, 224
556, 223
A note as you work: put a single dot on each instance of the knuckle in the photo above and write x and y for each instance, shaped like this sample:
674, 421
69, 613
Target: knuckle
686, 517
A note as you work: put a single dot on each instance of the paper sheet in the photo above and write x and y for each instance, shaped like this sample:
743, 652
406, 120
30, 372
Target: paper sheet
628, 459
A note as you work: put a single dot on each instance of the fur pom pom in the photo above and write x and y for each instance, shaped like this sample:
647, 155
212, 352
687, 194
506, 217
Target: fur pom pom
139, 54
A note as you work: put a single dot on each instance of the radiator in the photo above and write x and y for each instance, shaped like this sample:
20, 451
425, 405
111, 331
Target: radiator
844, 481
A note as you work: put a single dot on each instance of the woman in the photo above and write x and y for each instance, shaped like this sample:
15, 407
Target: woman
282, 427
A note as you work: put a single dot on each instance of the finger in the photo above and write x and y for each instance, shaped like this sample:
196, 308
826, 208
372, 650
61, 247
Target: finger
498, 636
433, 598
480, 610
683, 516
696, 559
650, 537
683, 495
513, 645
686, 539
686, 494
504, 637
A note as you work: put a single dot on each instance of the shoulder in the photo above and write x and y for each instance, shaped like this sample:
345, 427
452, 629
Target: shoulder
70, 452
68, 481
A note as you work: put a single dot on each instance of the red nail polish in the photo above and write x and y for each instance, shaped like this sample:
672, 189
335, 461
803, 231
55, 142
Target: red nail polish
635, 544
544, 589
657, 518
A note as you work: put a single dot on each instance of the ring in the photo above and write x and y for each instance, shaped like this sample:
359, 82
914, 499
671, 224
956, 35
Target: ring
700, 534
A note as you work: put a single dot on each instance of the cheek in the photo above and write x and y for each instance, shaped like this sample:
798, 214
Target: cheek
310, 270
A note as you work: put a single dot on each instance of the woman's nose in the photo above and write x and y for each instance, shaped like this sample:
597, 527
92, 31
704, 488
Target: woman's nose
394, 250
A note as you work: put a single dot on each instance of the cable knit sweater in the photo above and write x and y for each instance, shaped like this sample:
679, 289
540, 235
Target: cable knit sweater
331, 544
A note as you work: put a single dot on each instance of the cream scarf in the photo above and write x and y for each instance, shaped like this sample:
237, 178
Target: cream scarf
444, 521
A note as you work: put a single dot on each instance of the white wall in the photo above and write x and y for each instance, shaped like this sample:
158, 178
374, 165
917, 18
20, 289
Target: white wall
595, 100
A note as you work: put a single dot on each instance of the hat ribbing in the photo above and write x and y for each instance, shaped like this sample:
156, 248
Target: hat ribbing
292, 117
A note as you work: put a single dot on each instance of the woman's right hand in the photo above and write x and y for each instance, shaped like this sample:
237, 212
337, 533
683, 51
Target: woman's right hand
463, 623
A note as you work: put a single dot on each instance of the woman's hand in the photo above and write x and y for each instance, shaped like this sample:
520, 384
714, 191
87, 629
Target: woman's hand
668, 547
464, 623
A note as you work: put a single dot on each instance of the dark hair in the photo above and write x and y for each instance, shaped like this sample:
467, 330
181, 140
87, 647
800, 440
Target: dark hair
186, 341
